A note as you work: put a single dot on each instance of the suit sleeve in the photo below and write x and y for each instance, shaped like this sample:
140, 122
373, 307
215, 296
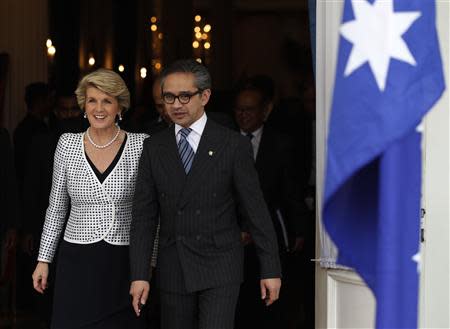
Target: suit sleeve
144, 218
58, 205
9, 194
295, 207
31, 188
251, 199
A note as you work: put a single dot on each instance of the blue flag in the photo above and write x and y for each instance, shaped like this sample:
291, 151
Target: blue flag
388, 75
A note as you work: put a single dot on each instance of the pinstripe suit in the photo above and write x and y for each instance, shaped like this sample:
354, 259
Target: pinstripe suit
199, 242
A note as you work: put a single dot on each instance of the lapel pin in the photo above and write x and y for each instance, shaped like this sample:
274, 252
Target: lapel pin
210, 153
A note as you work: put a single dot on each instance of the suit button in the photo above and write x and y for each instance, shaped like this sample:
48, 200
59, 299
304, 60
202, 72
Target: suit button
179, 238
198, 237
214, 195
163, 195
179, 212
197, 212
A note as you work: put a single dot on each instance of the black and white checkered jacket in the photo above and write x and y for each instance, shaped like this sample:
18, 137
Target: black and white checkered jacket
98, 211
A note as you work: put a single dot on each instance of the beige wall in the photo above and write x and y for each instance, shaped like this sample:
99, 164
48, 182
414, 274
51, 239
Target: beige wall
435, 253
23, 32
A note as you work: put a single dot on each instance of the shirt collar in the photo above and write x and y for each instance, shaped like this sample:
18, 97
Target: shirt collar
256, 134
197, 127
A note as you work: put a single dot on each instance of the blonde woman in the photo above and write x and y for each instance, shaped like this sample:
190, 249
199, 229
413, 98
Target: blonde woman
93, 185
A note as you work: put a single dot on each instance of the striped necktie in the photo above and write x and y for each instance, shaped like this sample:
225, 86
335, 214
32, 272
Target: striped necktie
185, 149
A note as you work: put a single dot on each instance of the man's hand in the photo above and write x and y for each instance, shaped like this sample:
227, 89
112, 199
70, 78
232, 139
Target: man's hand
246, 238
139, 290
270, 290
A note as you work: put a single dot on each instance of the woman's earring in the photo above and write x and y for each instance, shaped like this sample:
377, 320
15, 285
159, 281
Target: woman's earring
85, 115
120, 116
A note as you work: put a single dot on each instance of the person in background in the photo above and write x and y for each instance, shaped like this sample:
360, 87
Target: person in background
9, 221
273, 156
39, 167
39, 102
163, 120
37, 186
94, 180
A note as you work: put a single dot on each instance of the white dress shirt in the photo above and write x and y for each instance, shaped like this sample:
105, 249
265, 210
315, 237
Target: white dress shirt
256, 140
196, 133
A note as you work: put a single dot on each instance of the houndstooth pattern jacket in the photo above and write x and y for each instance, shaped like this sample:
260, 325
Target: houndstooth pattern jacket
98, 211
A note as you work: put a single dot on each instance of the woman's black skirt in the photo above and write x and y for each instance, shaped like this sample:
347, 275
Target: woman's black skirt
92, 288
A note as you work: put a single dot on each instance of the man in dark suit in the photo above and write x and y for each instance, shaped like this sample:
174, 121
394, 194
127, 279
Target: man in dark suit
8, 221
163, 120
273, 154
194, 174
8, 200
38, 172
39, 103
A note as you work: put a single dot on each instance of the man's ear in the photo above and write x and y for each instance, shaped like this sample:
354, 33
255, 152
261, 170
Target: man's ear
206, 94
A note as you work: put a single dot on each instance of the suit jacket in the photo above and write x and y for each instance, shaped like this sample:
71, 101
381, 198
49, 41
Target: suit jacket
8, 192
282, 191
38, 174
26, 130
154, 126
199, 242
38, 182
99, 211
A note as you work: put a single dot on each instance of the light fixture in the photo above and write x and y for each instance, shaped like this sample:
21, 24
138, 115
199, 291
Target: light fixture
197, 29
154, 27
143, 72
199, 60
121, 68
91, 61
153, 19
198, 35
158, 65
195, 44
198, 18
207, 28
204, 36
160, 36
51, 50
49, 43
207, 45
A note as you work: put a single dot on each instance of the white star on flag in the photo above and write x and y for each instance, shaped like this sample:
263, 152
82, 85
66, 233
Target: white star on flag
416, 258
376, 35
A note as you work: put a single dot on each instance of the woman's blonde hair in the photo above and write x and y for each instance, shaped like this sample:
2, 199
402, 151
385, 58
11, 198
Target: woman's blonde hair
106, 81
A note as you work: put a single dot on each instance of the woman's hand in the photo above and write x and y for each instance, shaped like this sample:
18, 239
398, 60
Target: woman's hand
40, 276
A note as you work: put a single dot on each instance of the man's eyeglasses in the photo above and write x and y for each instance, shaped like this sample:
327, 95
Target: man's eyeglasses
183, 98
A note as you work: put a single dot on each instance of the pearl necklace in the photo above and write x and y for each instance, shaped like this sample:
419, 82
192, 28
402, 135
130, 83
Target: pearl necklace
107, 144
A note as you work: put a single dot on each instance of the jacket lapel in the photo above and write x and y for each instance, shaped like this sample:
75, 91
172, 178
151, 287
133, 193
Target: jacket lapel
211, 144
170, 158
264, 149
